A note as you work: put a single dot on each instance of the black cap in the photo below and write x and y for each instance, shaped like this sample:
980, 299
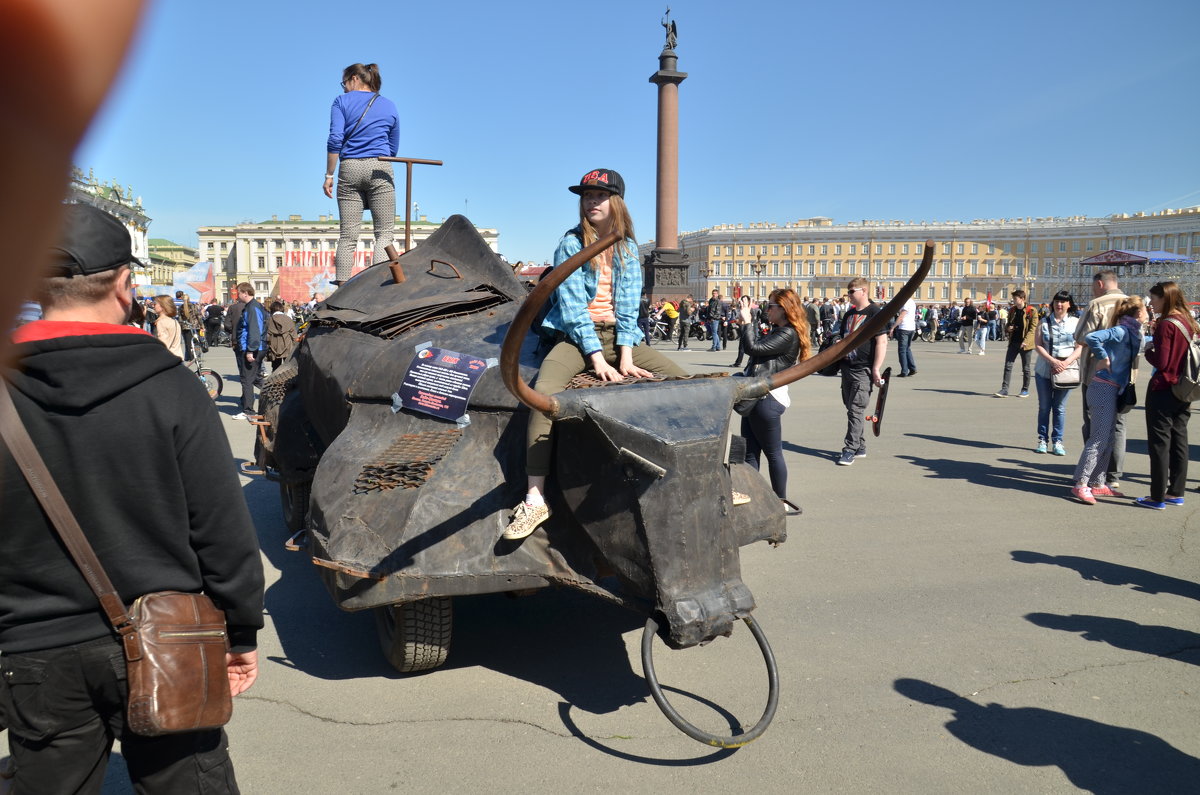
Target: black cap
600, 179
92, 241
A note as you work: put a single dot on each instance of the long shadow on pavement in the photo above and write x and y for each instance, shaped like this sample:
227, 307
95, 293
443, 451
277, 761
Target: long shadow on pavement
1178, 644
964, 442
1095, 756
1035, 481
1114, 574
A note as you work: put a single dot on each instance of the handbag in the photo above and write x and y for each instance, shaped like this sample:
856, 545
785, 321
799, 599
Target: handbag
175, 643
1127, 399
745, 406
1067, 378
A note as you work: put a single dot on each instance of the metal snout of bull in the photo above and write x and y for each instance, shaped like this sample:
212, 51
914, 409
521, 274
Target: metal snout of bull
645, 473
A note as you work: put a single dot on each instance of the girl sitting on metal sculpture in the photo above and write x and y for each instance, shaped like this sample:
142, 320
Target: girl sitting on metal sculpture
593, 314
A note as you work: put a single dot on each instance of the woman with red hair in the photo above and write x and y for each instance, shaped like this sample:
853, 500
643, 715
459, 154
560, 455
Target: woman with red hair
788, 342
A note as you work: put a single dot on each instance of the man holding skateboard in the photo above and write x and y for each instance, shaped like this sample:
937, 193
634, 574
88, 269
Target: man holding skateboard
860, 369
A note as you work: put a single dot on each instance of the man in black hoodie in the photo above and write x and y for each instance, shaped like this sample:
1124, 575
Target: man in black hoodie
138, 450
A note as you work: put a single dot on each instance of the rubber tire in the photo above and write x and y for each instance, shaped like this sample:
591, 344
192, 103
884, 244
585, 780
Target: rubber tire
415, 636
294, 499
212, 383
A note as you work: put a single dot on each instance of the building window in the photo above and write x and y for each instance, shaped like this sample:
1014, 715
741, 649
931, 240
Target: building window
1075, 246
716, 251
1033, 247
1020, 248
260, 288
853, 248
904, 249
945, 248
741, 251
774, 251
920, 248
260, 262
878, 249
991, 248
891, 248
837, 249
1062, 247
279, 262
812, 250
958, 249
974, 248
958, 267
787, 249
211, 246
824, 250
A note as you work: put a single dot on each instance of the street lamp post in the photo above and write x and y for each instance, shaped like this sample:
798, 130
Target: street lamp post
758, 272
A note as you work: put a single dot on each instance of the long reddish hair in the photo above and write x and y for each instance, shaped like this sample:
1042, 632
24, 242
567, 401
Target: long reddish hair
789, 302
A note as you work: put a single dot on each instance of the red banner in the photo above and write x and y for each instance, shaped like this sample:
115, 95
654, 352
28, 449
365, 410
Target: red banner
298, 282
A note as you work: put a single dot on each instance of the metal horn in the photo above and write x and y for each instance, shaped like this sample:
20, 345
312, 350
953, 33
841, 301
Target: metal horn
760, 386
510, 352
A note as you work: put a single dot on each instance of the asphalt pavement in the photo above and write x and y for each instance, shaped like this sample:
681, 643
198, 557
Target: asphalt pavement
944, 618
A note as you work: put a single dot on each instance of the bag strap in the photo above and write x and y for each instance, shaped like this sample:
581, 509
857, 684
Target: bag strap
1186, 331
360, 118
23, 450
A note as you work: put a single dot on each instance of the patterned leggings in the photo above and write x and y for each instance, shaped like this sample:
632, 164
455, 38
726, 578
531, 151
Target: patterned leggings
1102, 405
364, 181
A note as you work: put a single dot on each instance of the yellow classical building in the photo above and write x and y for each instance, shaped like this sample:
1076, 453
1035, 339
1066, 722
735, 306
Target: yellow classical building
973, 259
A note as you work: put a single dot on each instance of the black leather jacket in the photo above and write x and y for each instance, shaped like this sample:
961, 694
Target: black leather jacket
772, 353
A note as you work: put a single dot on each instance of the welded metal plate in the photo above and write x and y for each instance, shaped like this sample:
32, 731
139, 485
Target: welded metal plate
408, 462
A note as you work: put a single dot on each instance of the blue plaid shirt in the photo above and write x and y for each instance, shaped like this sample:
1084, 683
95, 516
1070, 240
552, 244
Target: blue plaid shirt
568, 309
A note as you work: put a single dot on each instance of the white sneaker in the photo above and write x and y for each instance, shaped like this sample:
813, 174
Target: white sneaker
239, 416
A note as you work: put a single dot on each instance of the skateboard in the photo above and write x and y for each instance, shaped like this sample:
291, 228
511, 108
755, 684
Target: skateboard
877, 418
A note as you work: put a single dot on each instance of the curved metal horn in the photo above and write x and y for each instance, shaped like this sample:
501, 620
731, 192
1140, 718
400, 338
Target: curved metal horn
510, 351
839, 349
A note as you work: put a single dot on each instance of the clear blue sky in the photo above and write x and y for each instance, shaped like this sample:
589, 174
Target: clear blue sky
921, 110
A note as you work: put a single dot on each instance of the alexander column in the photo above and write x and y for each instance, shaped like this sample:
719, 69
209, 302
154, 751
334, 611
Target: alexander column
666, 266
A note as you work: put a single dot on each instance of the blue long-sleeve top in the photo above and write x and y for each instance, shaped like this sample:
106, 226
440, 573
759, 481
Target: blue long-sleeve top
252, 327
568, 311
1120, 345
377, 136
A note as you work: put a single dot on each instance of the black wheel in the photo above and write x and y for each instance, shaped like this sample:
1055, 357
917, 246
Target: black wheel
294, 498
415, 636
212, 382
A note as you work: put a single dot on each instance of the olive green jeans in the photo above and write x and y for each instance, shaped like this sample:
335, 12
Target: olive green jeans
564, 362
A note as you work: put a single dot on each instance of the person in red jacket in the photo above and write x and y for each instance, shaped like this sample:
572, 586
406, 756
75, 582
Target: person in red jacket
1167, 416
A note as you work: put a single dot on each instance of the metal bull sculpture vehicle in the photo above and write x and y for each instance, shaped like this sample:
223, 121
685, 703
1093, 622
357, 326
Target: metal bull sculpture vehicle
401, 511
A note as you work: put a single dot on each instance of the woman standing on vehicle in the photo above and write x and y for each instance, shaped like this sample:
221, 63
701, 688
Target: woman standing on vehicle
363, 127
166, 328
1054, 343
1166, 415
593, 314
787, 343
1115, 349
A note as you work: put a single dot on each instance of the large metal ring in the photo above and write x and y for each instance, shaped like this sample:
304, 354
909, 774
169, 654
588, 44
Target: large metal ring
751, 734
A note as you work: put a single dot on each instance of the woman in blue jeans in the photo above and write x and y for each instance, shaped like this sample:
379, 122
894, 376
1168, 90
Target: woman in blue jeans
1054, 343
788, 343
